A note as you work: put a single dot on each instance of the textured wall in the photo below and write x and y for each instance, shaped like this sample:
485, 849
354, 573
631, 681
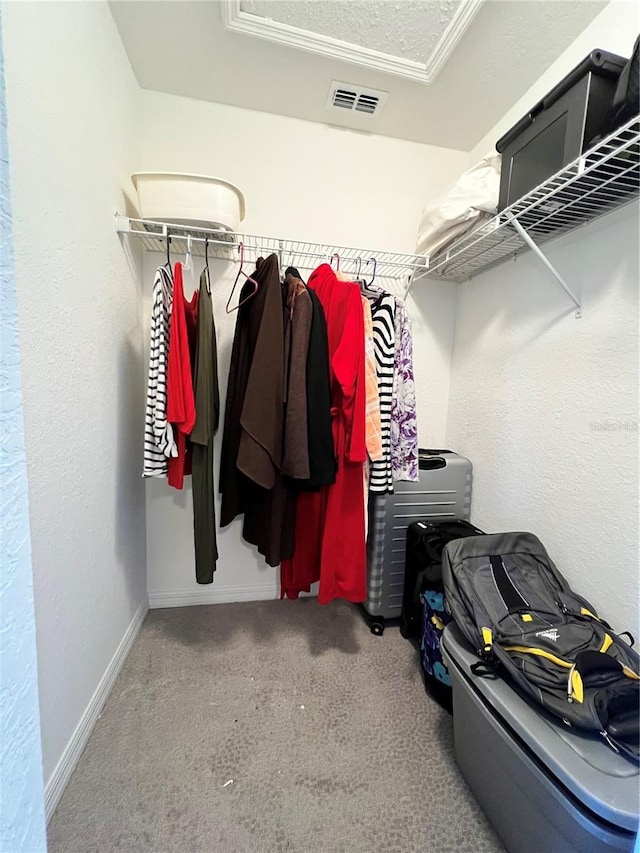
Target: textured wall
614, 29
71, 100
310, 182
22, 818
546, 406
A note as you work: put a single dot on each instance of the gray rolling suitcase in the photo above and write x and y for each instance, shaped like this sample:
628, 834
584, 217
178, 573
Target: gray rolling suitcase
545, 788
443, 492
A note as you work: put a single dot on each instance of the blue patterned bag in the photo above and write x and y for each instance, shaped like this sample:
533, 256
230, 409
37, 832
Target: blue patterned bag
434, 618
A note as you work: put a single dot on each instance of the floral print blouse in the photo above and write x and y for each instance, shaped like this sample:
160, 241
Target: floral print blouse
404, 422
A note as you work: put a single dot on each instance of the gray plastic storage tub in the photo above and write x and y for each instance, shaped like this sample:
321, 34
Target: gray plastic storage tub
545, 789
444, 492
560, 127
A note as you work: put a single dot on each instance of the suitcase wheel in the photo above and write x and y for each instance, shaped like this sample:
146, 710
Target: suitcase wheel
376, 626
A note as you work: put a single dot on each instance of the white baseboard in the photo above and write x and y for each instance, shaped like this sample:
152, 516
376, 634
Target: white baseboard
57, 782
210, 594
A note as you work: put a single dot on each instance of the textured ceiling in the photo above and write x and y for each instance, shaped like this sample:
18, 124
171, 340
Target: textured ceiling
182, 47
408, 28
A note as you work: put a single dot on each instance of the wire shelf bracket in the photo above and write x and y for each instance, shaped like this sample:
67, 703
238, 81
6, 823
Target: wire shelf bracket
537, 251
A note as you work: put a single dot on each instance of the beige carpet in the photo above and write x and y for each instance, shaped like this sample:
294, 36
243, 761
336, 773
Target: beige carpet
269, 726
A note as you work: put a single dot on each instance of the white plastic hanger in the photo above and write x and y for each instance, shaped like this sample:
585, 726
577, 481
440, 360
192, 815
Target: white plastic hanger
188, 270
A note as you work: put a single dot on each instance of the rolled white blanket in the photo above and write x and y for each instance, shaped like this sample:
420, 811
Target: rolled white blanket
469, 203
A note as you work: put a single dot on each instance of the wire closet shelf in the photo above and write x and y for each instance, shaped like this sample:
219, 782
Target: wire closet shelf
224, 245
605, 177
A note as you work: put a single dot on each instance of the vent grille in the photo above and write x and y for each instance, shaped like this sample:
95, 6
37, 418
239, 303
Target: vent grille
344, 96
367, 103
344, 99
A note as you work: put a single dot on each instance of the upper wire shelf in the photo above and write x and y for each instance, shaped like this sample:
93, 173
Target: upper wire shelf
602, 179
223, 245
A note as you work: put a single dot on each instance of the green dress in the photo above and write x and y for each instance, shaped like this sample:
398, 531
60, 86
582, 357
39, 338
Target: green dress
207, 399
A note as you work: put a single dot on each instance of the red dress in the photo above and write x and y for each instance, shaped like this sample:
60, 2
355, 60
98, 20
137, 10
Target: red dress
181, 407
330, 538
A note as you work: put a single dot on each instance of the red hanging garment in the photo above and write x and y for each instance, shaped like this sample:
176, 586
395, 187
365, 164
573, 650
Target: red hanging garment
181, 408
330, 535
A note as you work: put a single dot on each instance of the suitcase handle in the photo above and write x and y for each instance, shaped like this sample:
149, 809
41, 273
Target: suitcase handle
432, 460
432, 464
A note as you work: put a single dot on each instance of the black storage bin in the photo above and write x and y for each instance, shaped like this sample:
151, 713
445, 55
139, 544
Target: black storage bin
560, 127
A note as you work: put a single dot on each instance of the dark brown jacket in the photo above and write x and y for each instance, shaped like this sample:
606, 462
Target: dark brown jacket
254, 412
297, 329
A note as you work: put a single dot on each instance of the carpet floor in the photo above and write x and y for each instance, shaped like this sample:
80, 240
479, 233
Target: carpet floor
269, 726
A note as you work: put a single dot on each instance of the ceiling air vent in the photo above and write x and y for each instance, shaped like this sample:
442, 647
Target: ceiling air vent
345, 96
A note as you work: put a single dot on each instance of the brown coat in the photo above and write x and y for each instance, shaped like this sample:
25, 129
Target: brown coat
297, 324
251, 477
254, 412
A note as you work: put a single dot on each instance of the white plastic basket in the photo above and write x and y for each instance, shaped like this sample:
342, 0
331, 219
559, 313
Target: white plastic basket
189, 199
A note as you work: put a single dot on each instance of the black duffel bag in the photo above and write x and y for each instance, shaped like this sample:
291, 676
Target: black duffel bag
423, 566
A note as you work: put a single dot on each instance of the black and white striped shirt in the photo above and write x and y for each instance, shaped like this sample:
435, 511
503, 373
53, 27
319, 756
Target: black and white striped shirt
159, 442
383, 310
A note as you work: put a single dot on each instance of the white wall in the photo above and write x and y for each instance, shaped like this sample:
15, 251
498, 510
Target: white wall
72, 131
22, 827
615, 29
302, 181
546, 407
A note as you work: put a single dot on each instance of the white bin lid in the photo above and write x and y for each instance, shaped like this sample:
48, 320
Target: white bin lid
606, 783
207, 179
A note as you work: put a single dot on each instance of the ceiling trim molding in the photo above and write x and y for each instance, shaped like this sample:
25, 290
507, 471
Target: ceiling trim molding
465, 13
246, 23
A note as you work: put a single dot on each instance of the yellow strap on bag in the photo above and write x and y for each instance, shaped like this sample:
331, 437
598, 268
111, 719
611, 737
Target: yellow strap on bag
585, 612
606, 643
630, 673
487, 638
539, 653
576, 687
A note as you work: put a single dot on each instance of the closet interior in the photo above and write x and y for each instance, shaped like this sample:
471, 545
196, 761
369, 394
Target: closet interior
327, 378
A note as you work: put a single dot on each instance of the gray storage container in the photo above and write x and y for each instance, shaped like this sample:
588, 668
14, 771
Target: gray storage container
560, 127
444, 491
545, 788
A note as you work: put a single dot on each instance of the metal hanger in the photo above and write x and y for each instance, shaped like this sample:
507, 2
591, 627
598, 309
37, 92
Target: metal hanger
337, 257
367, 287
168, 261
375, 264
247, 277
206, 263
359, 260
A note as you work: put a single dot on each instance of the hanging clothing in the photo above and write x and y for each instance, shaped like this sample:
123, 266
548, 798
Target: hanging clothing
373, 428
322, 454
383, 309
270, 524
250, 468
207, 403
159, 442
330, 542
297, 330
404, 422
254, 412
181, 410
